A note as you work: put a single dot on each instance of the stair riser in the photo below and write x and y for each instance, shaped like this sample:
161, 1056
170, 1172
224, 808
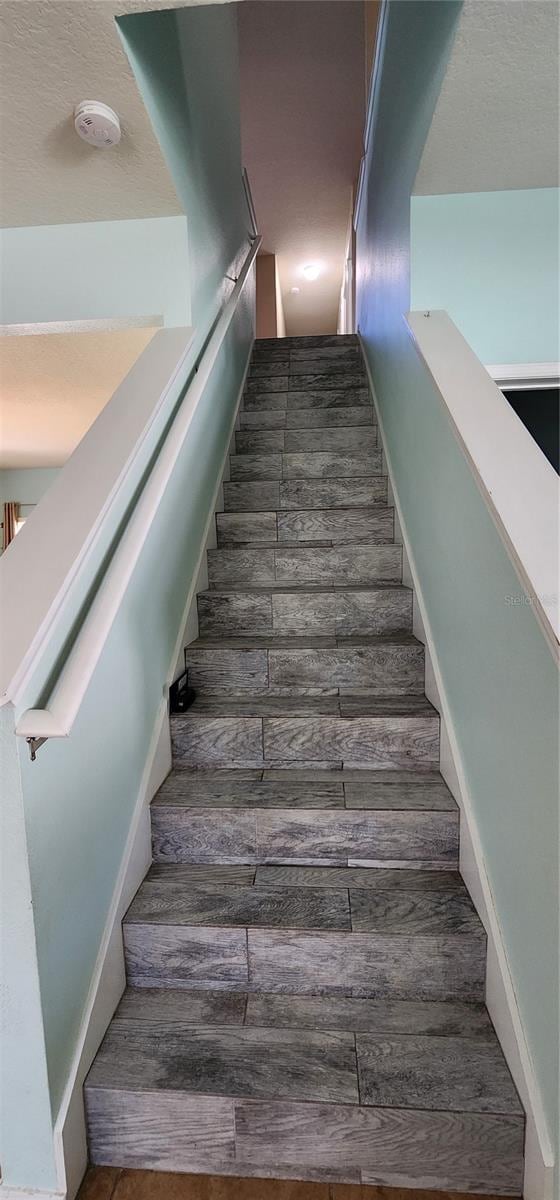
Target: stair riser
304, 494
264, 368
336, 566
314, 837
300, 962
315, 381
382, 671
319, 614
383, 742
297, 400
307, 418
296, 441
315, 525
319, 465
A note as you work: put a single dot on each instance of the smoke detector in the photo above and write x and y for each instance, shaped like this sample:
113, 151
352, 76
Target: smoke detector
97, 124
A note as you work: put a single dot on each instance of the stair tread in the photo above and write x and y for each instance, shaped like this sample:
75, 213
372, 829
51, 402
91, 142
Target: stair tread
185, 789
168, 899
289, 589
308, 706
154, 1045
282, 641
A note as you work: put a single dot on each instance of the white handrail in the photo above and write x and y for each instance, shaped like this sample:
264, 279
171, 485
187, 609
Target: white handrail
515, 479
57, 718
250, 205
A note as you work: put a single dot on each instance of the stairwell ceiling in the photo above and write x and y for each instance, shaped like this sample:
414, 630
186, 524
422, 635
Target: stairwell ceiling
302, 115
495, 124
54, 53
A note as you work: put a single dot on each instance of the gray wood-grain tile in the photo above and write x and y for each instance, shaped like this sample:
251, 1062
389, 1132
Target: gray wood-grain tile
252, 794
185, 956
259, 441
262, 401
240, 564
467, 1152
418, 795
318, 381
234, 612
161, 902
191, 835
335, 836
168, 1007
327, 398
171, 1132
398, 967
332, 493
454, 1074
329, 465
384, 669
215, 670
317, 418
277, 365
272, 418
337, 565
335, 524
414, 879
225, 741
252, 497
246, 527
410, 1017
374, 741
331, 441
267, 1063
262, 384
415, 913
256, 466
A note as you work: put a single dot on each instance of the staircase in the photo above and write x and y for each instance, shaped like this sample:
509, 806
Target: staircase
306, 970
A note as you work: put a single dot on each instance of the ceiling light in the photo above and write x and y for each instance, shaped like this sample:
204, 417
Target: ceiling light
294, 291
311, 271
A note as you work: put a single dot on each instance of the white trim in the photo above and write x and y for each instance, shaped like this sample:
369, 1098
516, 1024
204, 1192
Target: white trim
51, 556
57, 718
108, 980
522, 376
500, 454
14, 1193
95, 325
500, 993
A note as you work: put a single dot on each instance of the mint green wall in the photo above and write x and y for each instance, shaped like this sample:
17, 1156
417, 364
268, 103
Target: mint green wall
491, 260
499, 676
186, 65
26, 486
77, 800
95, 270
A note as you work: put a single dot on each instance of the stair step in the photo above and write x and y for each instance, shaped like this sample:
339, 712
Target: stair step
307, 341
330, 565
371, 524
384, 732
357, 1089
294, 441
262, 496
307, 418
388, 665
345, 612
300, 399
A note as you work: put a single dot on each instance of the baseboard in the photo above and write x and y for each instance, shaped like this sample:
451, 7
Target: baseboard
13, 1193
108, 980
500, 992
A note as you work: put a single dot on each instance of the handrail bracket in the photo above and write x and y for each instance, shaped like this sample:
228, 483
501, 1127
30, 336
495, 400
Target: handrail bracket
35, 744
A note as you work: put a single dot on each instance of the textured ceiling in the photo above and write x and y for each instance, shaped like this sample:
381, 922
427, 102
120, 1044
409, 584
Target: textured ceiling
302, 115
54, 53
495, 124
52, 387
